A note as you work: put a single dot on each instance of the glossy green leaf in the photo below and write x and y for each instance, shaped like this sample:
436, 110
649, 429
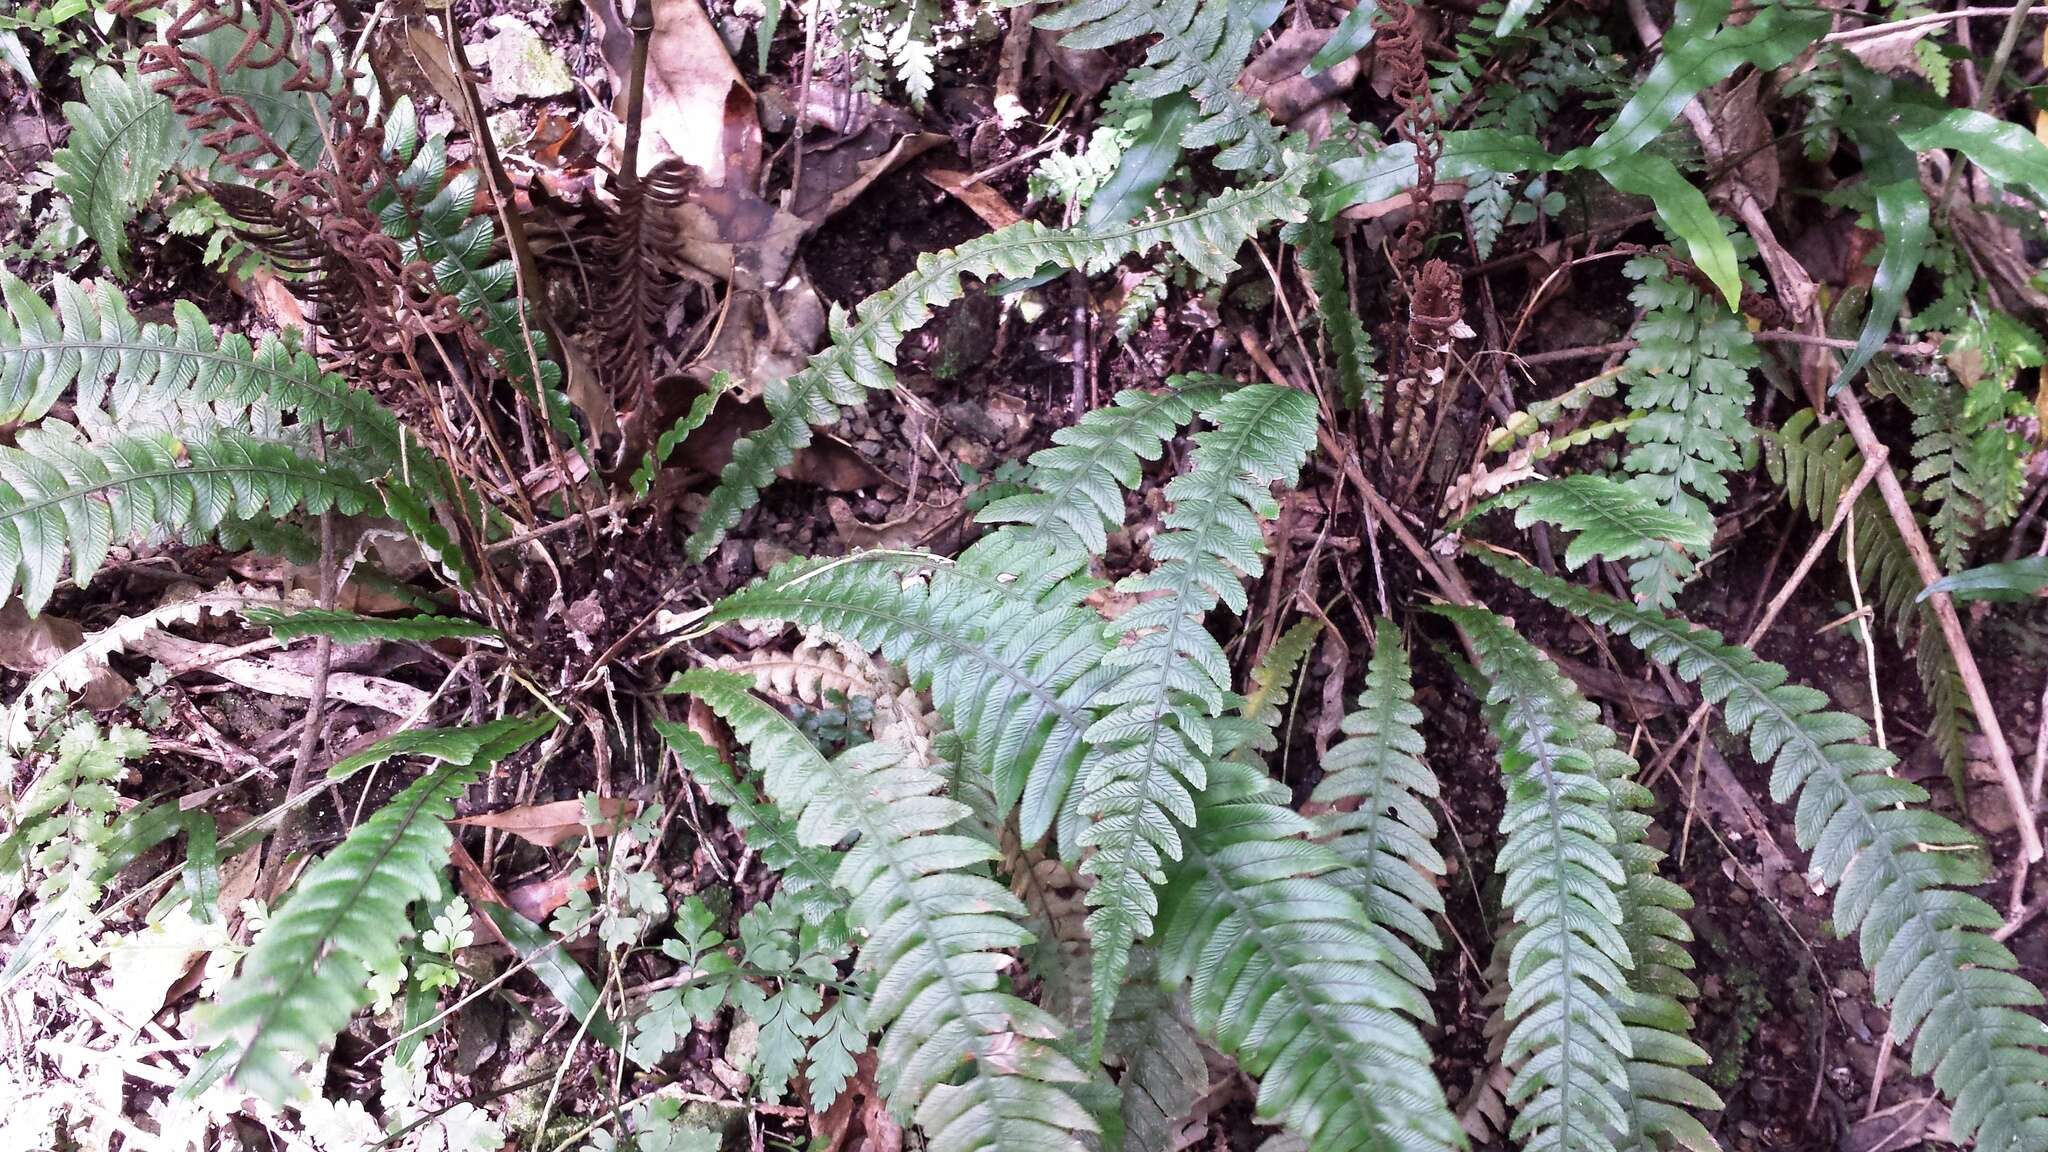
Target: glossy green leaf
565, 979
1699, 52
2016, 580
1353, 33
1683, 209
1145, 165
2006, 152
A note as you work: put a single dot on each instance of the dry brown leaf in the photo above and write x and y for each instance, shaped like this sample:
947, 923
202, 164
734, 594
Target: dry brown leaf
538, 899
697, 107
933, 525
548, 825
981, 199
1739, 116
33, 644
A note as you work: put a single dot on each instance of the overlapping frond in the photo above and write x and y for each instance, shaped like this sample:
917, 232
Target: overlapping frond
1894, 866
937, 924
308, 972
1201, 50
1568, 971
864, 343
1157, 735
61, 494
1287, 978
1013, 669
180, 376
1077, 489
1373, 808
354, 628
803, 873
1606, 518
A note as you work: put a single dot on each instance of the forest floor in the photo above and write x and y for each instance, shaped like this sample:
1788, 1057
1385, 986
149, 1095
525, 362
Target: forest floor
1800, 1056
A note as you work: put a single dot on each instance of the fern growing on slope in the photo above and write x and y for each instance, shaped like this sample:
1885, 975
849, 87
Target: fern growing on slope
1157, 738
1201, 50
935, 924
864, 343
1374, 799
1287, 978
1950, 987
1970, 465
306, 975
1689, 377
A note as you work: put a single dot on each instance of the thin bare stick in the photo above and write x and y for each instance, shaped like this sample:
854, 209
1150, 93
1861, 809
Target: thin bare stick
1951, 628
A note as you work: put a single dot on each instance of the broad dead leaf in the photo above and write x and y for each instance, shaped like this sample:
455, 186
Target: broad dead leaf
697, 106
549, 825
33, 644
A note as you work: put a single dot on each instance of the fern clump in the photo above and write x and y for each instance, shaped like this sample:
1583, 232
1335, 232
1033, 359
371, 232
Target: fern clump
121, 144
1896, 869
1688, 376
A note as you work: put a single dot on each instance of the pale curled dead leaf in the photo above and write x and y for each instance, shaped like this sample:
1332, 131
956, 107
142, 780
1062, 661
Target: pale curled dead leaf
33, 644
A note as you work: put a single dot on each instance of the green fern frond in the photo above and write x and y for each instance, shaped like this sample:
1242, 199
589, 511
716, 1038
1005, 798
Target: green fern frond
434, 219
475, 744
1606, 517
1287, 978
345, 917
1077, 488
1970, 465
179, 376
1158, 736
1272, 684
1350, 350
1201, 49
803, 874
1689, 377
60, 493
1164, 1072
1949, 985
121, 144
1815, 463
1012, 670
936, 926
1567, 974
1373, 809
864, 343
353, 628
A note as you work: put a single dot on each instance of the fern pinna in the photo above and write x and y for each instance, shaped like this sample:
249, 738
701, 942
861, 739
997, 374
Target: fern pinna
1896, 870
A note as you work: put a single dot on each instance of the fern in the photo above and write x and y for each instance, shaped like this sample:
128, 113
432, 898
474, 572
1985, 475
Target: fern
1164, 1073
1606, 517
1350, 350
1287, 978
864, 344
121, 144
179, 376
65, 825
1201, 49
1689, 377
1950, 987
1157, 738
1970, 465
1373, 809
803, 874
352, 628
935, 923
1272, 683
306, 975
61, 493
1076, 496
1567, 974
